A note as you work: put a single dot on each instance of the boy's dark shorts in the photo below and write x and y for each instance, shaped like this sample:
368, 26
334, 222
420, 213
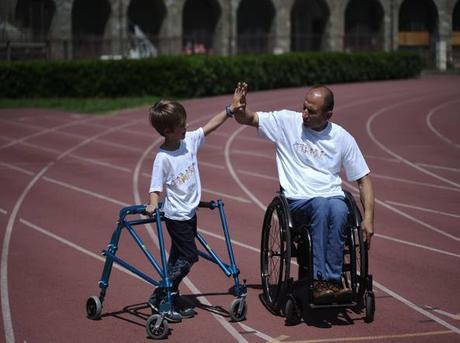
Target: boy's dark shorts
183, 234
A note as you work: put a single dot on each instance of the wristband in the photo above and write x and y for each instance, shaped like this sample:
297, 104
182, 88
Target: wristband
229, 112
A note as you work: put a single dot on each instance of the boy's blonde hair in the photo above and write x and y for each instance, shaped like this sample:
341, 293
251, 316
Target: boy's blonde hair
165, 114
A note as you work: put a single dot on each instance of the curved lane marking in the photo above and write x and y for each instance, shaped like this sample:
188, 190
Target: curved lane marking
6, 310
432, 128
392, 153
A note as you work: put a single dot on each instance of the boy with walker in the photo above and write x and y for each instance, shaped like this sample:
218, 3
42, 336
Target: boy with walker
175, 168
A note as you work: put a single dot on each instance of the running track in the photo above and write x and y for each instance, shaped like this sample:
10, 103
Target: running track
64, 178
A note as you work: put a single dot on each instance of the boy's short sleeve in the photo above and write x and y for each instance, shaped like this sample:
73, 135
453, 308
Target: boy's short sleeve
158, 174
196, 138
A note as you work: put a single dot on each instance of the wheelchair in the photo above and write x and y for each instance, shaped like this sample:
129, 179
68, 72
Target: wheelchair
281, 241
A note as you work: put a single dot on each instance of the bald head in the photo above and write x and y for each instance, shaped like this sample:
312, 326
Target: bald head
324, 93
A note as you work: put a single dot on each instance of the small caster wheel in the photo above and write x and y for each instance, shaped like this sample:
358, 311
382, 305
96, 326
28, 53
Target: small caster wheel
238, 309
292, 311
157, 327
93, 307
369, 303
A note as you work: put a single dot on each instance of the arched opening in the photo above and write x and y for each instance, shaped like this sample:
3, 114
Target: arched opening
200, 18
254, 26
308, 23
363, 25
456, 35
145, 18
418, 21
89, 19
34, 17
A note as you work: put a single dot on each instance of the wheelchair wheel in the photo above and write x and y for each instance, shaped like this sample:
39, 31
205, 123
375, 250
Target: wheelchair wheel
275, 255
93, 307
157, 328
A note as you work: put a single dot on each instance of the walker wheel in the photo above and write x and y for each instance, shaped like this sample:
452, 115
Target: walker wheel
369, 303
93, 307
238, 309
292, 311
157, 327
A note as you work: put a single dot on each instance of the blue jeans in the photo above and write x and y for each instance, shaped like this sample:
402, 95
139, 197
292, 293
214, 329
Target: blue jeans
327, 217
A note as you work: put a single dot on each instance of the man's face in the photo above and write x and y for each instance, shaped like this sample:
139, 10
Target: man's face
313, 115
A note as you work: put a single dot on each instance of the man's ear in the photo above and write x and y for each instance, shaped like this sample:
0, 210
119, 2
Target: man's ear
328, 115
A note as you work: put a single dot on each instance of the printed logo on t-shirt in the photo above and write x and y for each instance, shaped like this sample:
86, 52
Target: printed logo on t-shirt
184, 177
312, 151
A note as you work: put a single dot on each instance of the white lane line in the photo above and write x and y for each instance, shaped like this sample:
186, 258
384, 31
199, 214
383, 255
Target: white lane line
397, 179
445, 313
408, 216
73, 135
2, 211
6, 310
124, 204
417, 308
378, 285
392, 153
427, 165
102, 259
416, 245
457, 170
422, 209
352, 187
75, 246
432, 128
43, 132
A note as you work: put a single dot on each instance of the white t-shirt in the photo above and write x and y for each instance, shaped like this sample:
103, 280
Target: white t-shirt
178, 171
309, 161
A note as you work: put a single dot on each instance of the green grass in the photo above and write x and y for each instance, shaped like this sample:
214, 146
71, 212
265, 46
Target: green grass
81, 105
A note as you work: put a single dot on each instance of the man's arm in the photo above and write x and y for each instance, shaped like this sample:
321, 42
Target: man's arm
366, 193
243, 115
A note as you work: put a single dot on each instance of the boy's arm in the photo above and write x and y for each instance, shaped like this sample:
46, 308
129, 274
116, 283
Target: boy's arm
153, 202
243, 115
215, 122
237, 105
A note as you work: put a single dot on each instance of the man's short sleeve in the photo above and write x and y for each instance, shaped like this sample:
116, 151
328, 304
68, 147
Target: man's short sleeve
353, 161
269, 125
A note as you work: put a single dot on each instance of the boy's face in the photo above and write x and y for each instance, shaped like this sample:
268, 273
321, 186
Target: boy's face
177, 133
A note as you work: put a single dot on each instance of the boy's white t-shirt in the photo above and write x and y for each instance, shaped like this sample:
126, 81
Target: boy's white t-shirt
309, 161
178, 172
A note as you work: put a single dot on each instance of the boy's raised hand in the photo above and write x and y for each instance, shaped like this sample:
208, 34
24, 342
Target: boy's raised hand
239, 97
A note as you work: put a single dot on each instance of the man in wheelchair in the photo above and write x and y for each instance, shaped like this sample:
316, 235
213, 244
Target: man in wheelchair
310, 152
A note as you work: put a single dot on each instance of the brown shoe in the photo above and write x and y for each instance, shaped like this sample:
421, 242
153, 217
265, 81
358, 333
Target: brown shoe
340, 293
321, 292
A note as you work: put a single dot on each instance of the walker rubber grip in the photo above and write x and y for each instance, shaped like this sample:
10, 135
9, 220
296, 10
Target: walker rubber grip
208, 204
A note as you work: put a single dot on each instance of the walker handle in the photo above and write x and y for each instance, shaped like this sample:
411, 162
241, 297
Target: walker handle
208, 204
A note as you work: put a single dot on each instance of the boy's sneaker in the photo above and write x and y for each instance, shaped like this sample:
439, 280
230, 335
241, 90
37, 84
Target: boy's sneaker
156, 302
182, 306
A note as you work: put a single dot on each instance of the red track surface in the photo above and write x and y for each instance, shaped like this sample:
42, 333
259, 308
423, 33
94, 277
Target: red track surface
64, 178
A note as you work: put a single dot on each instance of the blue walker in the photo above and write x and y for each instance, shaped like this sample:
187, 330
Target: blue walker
157, 326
